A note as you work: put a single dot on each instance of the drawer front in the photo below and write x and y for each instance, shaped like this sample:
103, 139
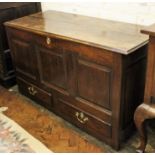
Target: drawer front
35, 93
82, 119
95, 110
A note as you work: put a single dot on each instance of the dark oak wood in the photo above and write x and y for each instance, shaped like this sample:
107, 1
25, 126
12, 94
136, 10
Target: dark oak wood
147, 109
90, 83
10, 11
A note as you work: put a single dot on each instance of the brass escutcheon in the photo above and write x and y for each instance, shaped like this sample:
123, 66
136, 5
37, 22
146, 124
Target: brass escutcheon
48, 41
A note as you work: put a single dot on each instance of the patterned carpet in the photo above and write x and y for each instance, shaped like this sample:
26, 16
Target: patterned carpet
57, 134
14, 139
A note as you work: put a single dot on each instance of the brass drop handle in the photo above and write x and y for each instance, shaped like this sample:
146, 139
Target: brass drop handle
32, 91
48, 41
81, 117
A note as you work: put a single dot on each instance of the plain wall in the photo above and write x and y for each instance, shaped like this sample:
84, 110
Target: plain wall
137, 13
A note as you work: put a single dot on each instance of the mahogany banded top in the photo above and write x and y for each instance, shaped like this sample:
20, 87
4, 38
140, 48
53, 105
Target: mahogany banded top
114, 36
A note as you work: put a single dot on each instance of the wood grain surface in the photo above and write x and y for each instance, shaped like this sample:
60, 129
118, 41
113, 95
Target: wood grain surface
115, 36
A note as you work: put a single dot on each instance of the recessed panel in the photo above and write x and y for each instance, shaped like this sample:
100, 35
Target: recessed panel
52, 67
94, 83
25, 58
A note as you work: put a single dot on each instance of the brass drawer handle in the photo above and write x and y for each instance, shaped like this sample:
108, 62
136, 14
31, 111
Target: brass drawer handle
32, 91
81, 117
48, 41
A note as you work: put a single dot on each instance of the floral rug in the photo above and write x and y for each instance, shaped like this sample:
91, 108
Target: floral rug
14, 139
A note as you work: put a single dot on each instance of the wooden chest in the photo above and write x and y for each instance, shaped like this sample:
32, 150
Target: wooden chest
9, 11
89, 71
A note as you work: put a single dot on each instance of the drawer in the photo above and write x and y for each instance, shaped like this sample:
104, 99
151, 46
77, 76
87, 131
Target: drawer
93, 109
32, 91
83, 120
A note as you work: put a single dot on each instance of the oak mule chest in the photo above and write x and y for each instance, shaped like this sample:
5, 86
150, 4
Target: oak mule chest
89, 71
